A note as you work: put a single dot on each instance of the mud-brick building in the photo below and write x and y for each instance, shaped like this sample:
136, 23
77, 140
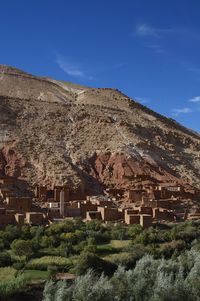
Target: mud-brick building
21, 204
34, 218
90, 215
132, 219
146, 220
135, 195
110, 214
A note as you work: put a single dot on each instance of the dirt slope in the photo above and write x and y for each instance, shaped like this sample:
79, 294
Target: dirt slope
57, 132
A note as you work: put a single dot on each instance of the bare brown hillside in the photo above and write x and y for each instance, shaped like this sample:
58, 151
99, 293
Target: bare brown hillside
52, 132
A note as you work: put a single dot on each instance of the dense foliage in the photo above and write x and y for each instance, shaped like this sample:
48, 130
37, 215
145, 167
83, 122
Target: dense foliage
150, 280
76, 247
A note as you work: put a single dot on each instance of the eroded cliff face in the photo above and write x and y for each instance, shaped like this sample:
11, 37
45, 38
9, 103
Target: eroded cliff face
12, 162
53, 132
125, 171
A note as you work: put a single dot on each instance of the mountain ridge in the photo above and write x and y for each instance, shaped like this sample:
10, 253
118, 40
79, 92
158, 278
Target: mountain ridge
88, 137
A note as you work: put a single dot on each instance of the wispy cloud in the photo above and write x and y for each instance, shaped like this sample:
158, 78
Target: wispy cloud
71, 68
195, 99
152, 36
177, 112
145, 30
186, 110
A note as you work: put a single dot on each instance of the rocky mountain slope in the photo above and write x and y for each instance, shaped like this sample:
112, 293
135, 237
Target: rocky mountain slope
52, 132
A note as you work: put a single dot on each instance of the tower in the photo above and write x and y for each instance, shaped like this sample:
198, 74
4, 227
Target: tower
62, 202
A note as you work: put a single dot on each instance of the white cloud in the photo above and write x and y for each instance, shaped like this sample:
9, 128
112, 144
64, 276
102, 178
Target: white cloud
150, 34
195, 99
144, 30
177, 112
71, 68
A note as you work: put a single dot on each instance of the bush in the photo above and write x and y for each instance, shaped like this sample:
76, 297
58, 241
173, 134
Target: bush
128, 260
22, 247
101, 236
119, 232
123, 259
172, 248
85, 288
134, 230
11, 287
88, 261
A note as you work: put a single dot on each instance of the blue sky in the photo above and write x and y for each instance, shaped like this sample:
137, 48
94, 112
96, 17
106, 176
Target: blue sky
147, 49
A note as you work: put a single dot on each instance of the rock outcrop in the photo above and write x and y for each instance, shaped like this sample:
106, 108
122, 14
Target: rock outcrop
52, 132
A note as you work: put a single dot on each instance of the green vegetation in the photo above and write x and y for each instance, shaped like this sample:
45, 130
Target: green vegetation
120, 244
7, 273
43, 263
150, 280
31, 254
13, 285
36, 275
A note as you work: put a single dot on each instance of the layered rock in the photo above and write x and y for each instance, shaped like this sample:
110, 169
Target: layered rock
52, 132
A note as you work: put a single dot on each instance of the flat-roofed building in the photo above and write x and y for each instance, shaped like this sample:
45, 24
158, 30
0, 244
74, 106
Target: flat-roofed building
132, 219
34, 218
19, 203
145, 220
90, 215
110, 214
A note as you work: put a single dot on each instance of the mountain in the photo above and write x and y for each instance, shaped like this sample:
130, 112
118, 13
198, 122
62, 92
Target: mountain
55, 132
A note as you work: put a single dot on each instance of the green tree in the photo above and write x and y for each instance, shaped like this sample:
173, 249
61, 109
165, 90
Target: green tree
22, 247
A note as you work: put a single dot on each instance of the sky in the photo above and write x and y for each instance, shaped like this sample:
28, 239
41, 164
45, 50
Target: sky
150, 50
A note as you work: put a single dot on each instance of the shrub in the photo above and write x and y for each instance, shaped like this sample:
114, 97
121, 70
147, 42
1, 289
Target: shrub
125, 259
88, 261
8, 288
119, 232
60, 290
22, 247
85, 288
90, 288
134, 230
173, 247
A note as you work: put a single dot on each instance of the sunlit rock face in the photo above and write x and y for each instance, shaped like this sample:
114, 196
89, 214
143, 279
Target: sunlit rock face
52, 132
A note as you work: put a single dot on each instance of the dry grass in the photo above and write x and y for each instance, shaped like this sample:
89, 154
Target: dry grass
7, 273
120, 244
